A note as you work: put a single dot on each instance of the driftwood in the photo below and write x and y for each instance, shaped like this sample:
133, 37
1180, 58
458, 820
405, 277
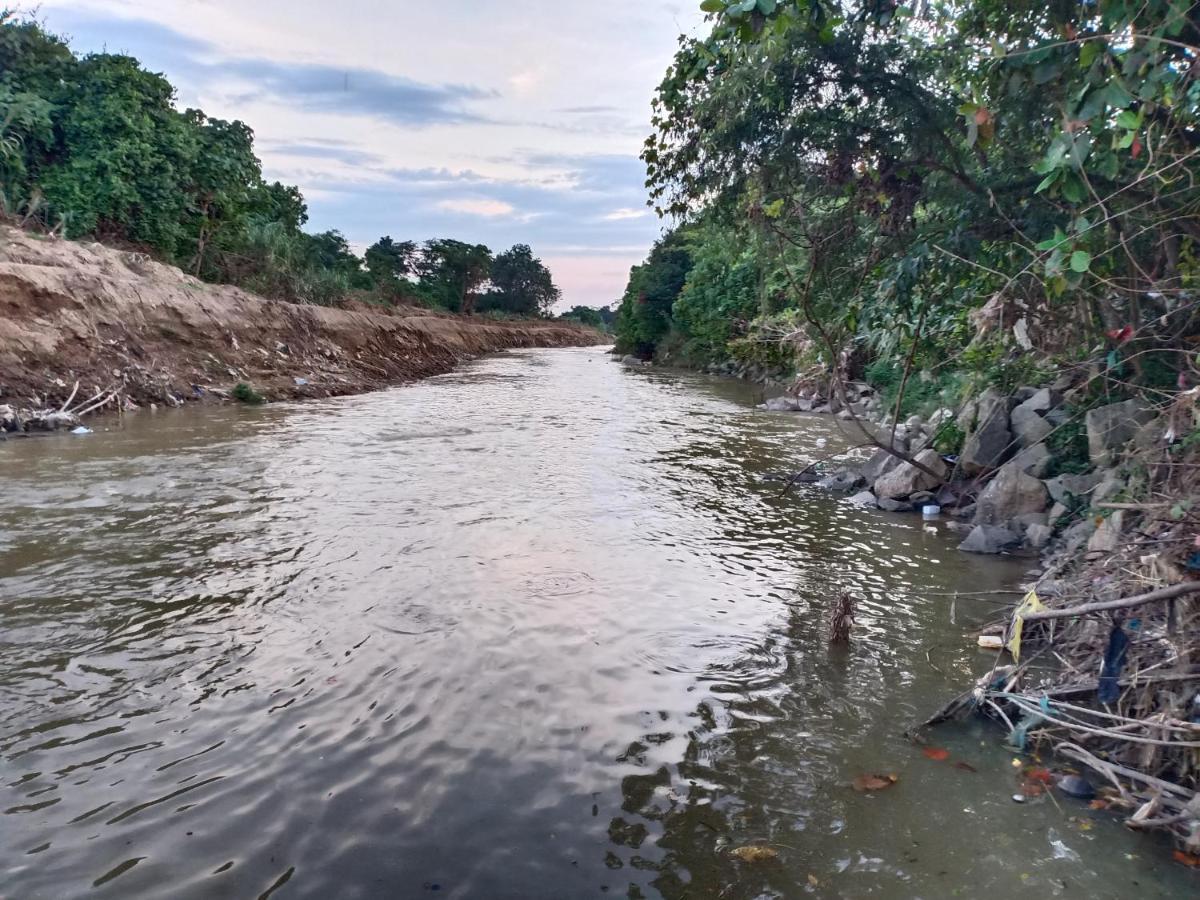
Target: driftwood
1167, 593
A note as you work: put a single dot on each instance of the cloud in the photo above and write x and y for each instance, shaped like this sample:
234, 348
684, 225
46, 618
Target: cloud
350, 90
334, 150
624, 214
479, 207
300, 86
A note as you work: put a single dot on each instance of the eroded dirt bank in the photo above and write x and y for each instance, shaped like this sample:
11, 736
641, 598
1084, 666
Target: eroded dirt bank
110, 319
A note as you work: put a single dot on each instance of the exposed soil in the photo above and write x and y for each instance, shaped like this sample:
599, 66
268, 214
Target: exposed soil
113, 319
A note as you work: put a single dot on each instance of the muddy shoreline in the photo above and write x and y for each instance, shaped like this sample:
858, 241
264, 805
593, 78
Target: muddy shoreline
92, 321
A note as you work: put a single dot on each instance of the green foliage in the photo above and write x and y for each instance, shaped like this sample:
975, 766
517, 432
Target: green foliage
586, 315
960, 180
243, 393
644, 316
389, 263
521, 284
1005, 368
1068, 446
95, 146
452, 271
949, 438
923, 393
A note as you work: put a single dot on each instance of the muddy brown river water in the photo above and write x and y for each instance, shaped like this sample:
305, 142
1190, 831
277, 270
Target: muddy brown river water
540, 628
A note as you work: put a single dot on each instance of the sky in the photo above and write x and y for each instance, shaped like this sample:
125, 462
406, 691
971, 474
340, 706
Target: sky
483, 120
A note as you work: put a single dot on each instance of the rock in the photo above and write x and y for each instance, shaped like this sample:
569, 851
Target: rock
988, 539
989, 442
1010, 494
1042, 401
1149, 436
781, 404
1110, 428
964, 512
879, 465
1107, 536
1034, 460
1111, 484
1078, 534
907, 479
889, 505
960, 527
1025, 521
1038, 536
1076, 786
1064, 487
9, 420
920, 498
864, 499
842, 482
634, 362
1057, 511
913, 424
1028, 424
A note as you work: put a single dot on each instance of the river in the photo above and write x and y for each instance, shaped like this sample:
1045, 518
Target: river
540, 628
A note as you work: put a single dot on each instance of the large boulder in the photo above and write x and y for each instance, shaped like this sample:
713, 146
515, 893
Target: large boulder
1027, 422
1034, 460
1110, 428
989, 539
1063, 487
879, 465
907, 479
1010, 494
989, 442
782, 404
864, 499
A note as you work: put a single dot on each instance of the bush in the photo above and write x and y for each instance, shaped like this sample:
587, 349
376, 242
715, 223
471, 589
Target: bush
243, 393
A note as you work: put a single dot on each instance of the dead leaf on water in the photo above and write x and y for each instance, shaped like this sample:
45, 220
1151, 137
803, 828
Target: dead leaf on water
965, 766
1186, 859
867, 783
755, 854
936, 753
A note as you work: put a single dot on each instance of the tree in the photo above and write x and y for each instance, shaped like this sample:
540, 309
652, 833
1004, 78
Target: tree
451, 272
644, 317
389, 263
223, 176
585, 315
521, 284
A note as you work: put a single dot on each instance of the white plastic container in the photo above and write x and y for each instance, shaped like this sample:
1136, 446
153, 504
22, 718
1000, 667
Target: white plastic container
931, 512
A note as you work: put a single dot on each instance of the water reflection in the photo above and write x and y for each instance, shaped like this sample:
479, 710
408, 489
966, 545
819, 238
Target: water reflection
540, 628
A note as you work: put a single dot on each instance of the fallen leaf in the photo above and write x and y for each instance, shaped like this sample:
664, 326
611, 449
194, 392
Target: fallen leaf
755, 854
1098, 804
1186, 858
866, 783
936, 753
1032, 789
813, 880
1042, 776
966, 767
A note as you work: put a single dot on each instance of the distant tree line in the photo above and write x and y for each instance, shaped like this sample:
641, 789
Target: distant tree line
93, 146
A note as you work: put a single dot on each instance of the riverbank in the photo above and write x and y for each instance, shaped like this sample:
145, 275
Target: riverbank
1097, 659
82, 323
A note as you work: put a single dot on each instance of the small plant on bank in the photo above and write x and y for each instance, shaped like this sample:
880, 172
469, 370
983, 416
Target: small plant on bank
243, 393
1068, 446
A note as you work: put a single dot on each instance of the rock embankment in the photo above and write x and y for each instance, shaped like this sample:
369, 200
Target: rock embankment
1006, 488
119, 324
